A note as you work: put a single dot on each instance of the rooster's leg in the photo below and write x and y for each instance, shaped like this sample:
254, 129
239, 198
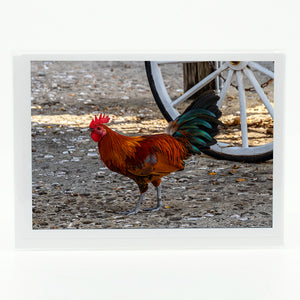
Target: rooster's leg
159, 202
136, 210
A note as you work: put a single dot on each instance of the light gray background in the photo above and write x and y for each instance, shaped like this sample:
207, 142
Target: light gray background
127, 26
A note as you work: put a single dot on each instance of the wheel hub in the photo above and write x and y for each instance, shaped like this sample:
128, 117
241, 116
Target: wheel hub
237, 65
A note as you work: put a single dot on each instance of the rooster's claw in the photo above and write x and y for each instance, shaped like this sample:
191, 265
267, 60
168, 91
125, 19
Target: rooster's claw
129, 212
157, 208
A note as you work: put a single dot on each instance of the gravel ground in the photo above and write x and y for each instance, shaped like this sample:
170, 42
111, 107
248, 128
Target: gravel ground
73, 189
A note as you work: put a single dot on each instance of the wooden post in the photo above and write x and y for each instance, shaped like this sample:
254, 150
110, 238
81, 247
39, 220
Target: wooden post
195, 72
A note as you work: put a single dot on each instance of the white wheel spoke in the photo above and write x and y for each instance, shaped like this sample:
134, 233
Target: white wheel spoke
225, 87
217, 79
259, 91
243, 114
260, 68
199, 85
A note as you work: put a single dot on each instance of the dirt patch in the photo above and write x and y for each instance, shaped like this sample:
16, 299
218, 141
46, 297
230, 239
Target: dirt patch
73, 189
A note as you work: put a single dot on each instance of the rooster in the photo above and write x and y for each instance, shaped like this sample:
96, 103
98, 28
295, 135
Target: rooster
146, 159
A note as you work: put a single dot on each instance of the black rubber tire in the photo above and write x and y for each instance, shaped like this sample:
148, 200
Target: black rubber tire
239, 158
154, 92
248, 158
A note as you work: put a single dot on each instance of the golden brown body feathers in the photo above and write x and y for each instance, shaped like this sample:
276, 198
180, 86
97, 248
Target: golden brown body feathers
144, 159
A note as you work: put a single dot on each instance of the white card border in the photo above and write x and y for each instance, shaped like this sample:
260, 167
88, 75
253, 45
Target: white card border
136, 239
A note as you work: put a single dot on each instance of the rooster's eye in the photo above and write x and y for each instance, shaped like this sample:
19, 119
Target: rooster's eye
98, 128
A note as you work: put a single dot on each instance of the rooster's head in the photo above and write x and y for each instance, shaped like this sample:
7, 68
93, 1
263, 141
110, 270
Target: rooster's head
97, 127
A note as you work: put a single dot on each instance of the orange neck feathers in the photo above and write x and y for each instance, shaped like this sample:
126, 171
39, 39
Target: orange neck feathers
114, 148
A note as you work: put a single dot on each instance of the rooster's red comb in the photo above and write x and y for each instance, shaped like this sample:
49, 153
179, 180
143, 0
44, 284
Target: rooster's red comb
102, 119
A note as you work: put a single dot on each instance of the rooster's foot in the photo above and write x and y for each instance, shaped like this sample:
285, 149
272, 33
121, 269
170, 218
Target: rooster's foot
136, 210
156, 208
129, 212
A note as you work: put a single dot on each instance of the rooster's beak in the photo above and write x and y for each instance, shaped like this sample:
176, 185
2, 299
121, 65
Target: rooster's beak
91, 129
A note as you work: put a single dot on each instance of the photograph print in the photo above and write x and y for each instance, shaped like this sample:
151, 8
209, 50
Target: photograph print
152, 144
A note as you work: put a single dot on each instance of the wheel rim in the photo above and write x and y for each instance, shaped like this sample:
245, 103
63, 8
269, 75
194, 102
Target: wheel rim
239, 70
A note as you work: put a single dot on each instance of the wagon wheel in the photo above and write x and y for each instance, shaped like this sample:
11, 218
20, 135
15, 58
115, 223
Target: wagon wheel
235, 144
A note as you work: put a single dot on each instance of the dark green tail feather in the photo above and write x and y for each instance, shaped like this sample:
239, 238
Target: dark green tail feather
197, 141
198, 111
207, 100
178, 134
200, 133
196, 121
198, 125
193, 149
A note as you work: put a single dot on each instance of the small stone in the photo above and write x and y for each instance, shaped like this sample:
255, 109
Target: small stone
183, 179
87, 222
61, 173
75, 159
100, 174
175, 218
209, 215
44, 223
63, 161
206, 199
192, 219
235, 216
